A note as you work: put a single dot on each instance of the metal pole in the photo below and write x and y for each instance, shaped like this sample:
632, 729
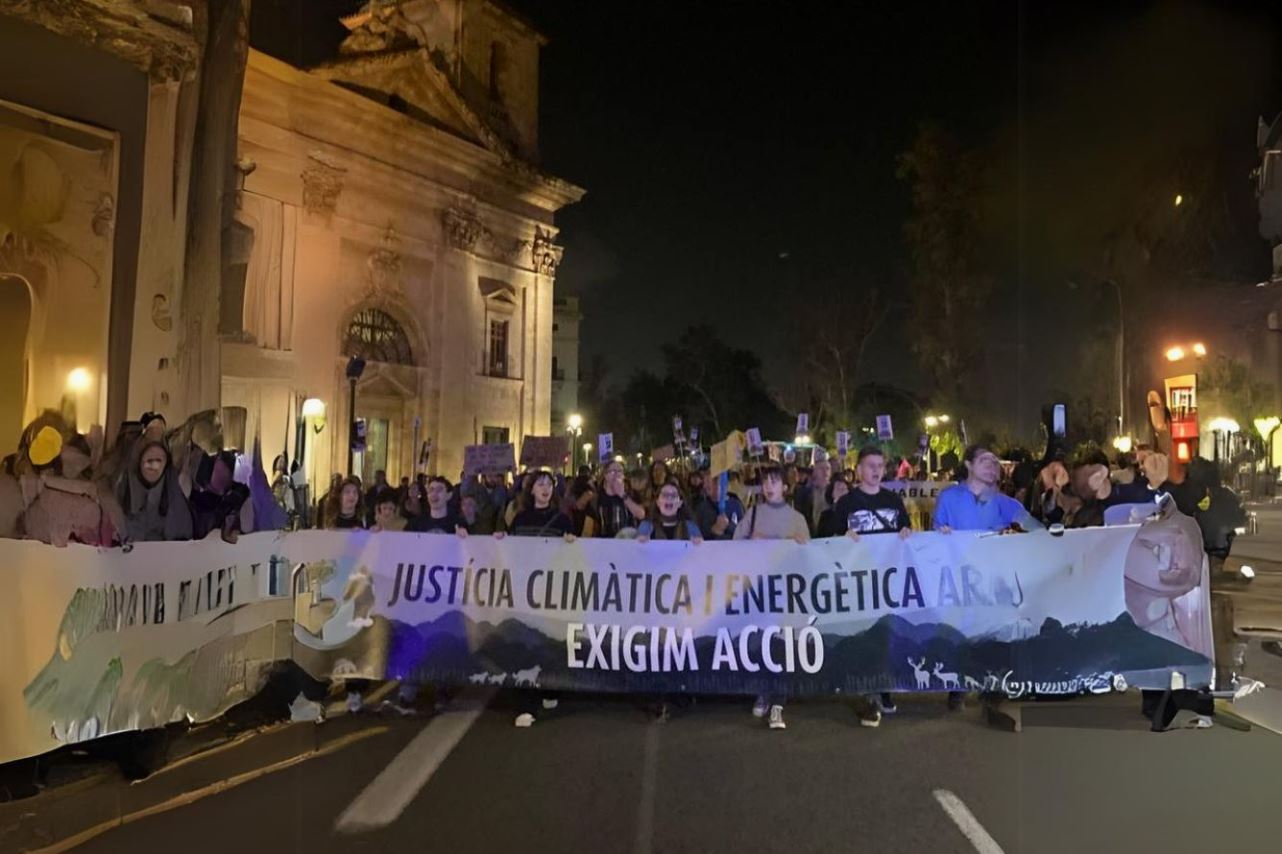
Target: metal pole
1121, 359
351, 428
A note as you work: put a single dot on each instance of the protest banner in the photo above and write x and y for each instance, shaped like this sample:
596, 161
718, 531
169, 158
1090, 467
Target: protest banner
107, 640
755, 445
1022, 614
885, 430
489, 459
545, 451
726, 454
100, 641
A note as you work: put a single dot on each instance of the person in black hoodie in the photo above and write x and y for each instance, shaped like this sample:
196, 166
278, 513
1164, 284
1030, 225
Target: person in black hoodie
154, 505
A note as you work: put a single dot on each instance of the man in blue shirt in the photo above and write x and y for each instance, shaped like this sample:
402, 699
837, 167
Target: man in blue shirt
976, 504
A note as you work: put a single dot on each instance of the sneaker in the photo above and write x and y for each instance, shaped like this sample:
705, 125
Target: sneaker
525, 719
886, 703
776, 718
549, 703
760, 707
354, 702
870, 717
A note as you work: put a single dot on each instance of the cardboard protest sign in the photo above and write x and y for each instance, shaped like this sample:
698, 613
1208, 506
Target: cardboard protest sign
694, 436
773, 452
489, 459
755, 445
843, 443
605, 446
803, 423
885, 431
726, 454
544, 451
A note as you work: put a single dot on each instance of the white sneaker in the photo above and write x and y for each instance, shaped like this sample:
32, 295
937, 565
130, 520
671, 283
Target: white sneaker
354, 702
870, 717
760, 708
776, 718
549, 704
525, 719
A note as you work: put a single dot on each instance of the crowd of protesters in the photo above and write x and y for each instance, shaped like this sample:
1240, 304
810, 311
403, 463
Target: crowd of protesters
156, 483
152, 483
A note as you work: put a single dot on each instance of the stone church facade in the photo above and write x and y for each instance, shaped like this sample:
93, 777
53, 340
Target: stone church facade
391, 210
385, 205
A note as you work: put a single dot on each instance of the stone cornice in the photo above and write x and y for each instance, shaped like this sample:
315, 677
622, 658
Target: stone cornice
159, 42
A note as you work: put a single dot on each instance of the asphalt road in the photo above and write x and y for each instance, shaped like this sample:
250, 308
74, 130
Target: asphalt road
600, 776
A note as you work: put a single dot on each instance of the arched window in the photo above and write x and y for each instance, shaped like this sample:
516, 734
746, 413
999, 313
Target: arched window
376, 336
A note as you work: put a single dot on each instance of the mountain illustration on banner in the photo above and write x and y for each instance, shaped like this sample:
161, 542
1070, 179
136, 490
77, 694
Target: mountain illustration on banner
891, 654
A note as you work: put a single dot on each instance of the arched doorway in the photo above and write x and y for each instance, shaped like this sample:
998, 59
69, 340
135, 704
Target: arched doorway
15, 322
387, 393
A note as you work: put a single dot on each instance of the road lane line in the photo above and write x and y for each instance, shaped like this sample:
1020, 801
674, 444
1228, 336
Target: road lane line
215, 788
387, 796
649, 773
967, 823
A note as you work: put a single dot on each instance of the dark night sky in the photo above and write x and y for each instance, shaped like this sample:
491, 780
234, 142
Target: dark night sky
714, 136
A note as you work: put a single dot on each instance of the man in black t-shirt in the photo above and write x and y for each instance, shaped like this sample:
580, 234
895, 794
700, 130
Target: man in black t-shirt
869, 508
438, 519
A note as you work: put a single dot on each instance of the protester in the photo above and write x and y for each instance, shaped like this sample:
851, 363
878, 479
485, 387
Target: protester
62, 504
218, 502
154, 505
344, 510
371, 495
476, 515
831, 523
811, 499
669, 519
579, 503
327, 503
713, 523
540, 517
414, 503
617, 512
386, 514
975, 504
870, 508
772, 519
439, 518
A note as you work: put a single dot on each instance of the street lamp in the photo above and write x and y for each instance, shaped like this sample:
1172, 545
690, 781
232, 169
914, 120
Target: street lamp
931, 422
574, 428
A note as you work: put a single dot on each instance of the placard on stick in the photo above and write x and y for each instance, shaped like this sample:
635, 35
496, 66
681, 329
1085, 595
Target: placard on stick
489, 459
545, 451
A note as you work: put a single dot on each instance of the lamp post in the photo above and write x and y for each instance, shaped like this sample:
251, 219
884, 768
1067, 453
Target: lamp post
355, 367
574, 427
313, 410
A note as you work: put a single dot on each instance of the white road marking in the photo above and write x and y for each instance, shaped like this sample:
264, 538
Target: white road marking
967, 823
387, 796
649, 773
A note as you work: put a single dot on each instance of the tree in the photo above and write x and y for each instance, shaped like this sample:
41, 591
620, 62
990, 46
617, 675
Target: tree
1225, 389
948, 286
834, 342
